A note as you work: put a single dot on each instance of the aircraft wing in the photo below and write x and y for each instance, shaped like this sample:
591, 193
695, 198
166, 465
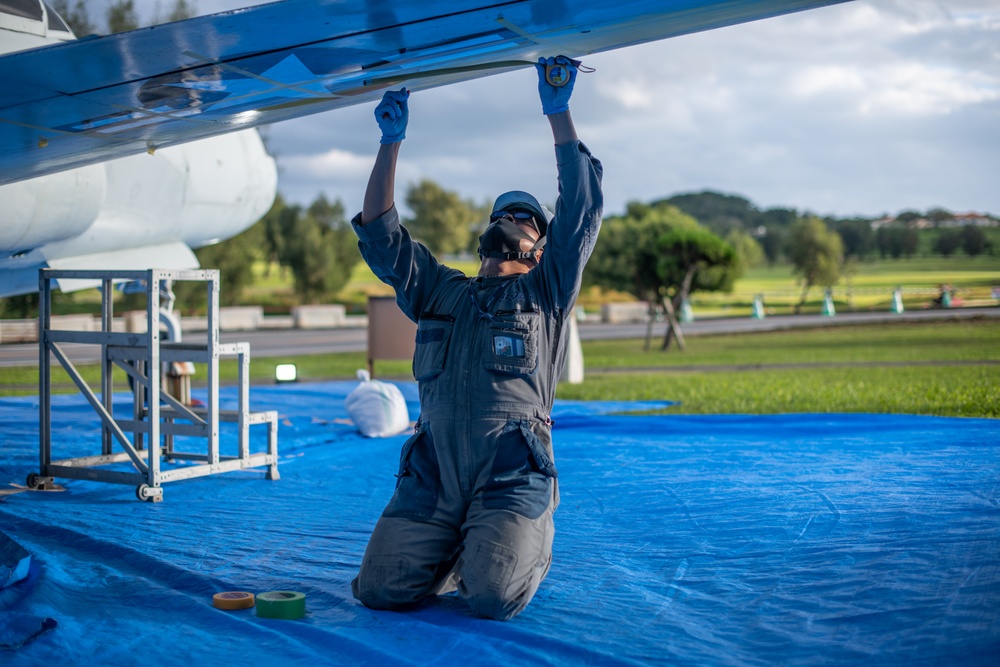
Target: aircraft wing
100, 98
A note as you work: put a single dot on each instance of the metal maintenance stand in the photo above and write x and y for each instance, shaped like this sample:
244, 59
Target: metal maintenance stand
155, 412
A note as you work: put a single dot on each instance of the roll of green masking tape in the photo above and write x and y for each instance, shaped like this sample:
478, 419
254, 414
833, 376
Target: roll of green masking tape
288, 605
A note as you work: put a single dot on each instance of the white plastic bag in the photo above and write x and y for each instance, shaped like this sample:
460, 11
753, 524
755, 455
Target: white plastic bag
377, 409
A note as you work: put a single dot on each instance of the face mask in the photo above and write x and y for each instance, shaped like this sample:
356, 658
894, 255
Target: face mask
502, 240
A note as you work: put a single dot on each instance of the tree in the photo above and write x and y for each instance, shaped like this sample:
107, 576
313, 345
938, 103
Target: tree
660, 256
122, 16
974, 241
76, 18
857, 236
692, 258
441, 220
883, 241
910, 242
749, 254
772, 243
719, 212
780, 217
774, 226
624, 259
948, 242
234, 259
816, 254
20, 307
939, 216
325, 212
181, 10
319, 247
897, 242
272, 232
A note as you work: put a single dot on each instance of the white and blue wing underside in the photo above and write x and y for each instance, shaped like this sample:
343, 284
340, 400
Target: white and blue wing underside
100, 98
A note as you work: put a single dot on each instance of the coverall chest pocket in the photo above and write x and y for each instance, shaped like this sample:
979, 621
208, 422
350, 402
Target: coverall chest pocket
418, 479
433, 338
513, 341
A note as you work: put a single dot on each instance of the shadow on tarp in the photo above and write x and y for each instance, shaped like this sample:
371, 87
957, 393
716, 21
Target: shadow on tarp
714, 540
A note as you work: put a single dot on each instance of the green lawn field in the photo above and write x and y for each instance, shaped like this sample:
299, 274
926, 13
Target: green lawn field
937, 368
948, 368
870, 288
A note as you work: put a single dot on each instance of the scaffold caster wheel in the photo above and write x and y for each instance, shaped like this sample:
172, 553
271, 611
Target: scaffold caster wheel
150, 494
33, 481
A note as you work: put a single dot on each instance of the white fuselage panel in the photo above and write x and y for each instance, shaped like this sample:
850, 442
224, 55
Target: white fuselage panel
144, 210
50, 208
197, 193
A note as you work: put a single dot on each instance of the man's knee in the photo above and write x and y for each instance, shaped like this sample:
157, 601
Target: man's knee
389, 582
493, 585
497, 607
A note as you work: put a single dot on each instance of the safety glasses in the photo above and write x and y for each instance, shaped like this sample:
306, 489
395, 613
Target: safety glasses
519, 216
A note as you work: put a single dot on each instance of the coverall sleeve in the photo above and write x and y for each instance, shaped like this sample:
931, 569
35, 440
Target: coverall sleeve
572, 234
399, 261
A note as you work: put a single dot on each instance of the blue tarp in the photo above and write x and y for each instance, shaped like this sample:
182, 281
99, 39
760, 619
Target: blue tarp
717, 540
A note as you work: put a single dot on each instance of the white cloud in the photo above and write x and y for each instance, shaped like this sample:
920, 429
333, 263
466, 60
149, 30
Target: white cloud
630, 94
333, 163
901, 88
827, 79
915, 88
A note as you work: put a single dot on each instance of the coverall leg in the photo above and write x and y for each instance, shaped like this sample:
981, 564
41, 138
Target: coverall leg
502, 538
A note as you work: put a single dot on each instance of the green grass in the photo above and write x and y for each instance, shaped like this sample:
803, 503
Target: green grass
955, 391
977, 340
919, 271
742, 373
871, 287
839, 369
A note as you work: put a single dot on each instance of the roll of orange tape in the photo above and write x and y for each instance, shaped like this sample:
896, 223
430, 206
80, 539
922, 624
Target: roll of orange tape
233, 600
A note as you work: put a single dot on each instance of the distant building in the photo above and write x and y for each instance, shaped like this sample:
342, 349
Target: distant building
971, 219
909, 223
957, 220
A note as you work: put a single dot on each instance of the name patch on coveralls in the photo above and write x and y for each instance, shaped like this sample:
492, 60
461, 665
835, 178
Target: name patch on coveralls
508, 346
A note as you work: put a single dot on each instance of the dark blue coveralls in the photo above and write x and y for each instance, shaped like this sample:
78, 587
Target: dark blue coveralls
476, 486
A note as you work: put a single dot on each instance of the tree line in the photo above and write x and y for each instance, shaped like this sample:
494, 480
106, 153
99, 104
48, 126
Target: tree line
861, 238
660, 253
120, 15
664, 251
316, 245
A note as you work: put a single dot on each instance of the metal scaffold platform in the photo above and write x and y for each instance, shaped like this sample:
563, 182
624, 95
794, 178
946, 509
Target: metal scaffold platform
162, 422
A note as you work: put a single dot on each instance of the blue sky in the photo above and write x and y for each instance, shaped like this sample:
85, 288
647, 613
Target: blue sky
870, 107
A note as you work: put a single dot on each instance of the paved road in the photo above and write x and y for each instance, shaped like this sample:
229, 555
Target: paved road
294, 342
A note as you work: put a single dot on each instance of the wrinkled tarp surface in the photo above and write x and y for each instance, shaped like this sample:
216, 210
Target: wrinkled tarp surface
820, 539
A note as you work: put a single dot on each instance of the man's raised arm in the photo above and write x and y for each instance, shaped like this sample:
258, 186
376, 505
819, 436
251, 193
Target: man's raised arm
573, 232
392, 114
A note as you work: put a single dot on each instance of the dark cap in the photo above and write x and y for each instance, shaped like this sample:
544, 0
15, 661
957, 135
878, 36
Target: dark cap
517, 200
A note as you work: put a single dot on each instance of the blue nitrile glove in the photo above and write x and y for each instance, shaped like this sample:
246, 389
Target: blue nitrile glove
392, 114
555, 99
